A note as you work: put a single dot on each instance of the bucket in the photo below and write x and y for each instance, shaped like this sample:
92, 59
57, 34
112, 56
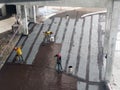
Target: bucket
70, 69
51, 39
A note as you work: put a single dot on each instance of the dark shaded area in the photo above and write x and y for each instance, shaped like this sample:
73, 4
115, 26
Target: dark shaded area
10, 9
10, 1
5, 17
39, 76
103, 86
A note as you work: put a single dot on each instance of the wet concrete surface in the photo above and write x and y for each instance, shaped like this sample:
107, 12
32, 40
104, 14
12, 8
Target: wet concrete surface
80, 45
41, 75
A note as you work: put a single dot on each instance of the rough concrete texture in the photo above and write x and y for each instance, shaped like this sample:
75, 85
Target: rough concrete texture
80, 47
41, 75
115, 80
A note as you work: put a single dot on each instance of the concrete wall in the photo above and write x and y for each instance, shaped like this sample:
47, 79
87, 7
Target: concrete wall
115, 80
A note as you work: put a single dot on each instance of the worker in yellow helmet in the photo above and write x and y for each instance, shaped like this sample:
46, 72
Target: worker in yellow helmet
18, 53
47, 35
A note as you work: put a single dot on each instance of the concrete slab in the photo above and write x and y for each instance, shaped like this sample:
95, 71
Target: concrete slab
54, 26
76, 41
94, 71
84, 49
81, 86
30, 58
30, 41
75, 45
59, 36
13, 53
20, 43
66, 42
93, 87
40, 76
38, 42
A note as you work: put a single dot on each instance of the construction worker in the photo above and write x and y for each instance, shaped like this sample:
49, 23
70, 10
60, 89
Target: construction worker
18, 53
47, 36
58, 62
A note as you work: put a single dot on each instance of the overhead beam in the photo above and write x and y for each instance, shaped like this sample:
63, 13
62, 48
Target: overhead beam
17, 1
67, 3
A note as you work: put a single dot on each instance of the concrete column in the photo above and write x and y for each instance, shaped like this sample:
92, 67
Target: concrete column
32, 12
110, 36
18, 16
24, 19
18, 9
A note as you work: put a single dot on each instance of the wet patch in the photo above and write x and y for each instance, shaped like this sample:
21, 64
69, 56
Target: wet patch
41, 75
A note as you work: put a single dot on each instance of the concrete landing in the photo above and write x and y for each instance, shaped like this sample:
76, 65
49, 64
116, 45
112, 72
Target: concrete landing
41, 75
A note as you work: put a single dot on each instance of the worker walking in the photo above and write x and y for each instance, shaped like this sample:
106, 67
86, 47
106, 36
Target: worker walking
58, 63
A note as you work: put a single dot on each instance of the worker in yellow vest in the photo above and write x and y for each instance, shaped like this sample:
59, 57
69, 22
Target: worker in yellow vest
18, 53
47, 35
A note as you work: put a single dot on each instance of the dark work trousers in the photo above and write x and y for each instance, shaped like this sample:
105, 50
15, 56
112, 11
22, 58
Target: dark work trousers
47, 39
59, 67
19, 57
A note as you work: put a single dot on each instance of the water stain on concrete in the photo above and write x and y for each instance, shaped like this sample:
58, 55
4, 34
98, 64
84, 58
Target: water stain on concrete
41, 75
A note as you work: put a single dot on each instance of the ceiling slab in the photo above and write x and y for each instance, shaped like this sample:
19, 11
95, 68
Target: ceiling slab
71, 3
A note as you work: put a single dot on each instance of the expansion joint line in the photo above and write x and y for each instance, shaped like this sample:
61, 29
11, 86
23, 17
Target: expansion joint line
89, 52
29, 52
71, 44
57, 28
79, 49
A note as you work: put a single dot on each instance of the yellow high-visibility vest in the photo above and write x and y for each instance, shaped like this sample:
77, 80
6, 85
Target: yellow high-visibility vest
19, 51
47, 33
